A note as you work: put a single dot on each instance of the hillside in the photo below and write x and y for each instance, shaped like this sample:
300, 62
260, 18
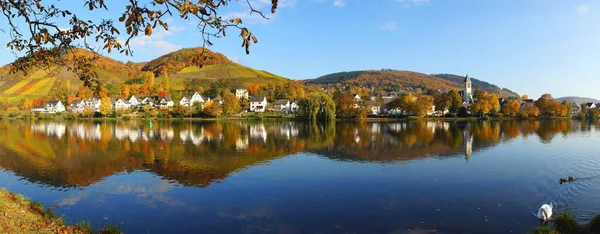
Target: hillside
578, 100
42, 82
181, 65
395, 79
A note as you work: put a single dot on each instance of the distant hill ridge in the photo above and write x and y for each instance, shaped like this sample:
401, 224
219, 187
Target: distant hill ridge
403, 79
181, 65
578, 100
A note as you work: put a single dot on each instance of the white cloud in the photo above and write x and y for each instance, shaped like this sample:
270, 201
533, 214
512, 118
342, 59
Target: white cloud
156, 42
389, 26
583, 9
236, 60
339, 3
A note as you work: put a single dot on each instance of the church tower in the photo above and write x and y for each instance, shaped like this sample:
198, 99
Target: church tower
468, 93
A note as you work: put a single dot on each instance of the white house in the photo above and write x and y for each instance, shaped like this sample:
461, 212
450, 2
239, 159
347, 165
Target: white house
374, 107
165, 102
294, 107
258, 104
38, 109
121, 104
189, 101
54, 107
77, 106
94, 103
148, 101
134, 101
282, 106
241, 92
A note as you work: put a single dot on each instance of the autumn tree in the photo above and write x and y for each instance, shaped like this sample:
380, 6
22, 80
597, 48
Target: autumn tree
455, 101
345, 105
529, 111
231, 105
211, 109
404, 102
524, 97
4, 104
422, 106
568, 108
105, 106
253, 89
166, 83
148, 78
71, 98
441, 102
27, 104
87, 112
125, 90
45, 43
84, 93
510, 108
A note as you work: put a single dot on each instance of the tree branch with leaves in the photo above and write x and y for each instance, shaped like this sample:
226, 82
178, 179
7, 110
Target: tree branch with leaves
44, 43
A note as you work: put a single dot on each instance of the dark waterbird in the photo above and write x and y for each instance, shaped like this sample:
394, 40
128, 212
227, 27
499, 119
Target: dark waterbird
567, 179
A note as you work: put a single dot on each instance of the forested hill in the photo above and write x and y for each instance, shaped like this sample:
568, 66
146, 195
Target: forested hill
181, 66
396, 79
477, 84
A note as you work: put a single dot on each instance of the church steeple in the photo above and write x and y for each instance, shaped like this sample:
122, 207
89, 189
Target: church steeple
468, 92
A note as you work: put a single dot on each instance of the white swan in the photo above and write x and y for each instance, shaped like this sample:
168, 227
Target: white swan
545, 212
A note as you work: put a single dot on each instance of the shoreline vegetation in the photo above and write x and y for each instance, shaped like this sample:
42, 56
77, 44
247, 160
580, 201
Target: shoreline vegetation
19, 214
271, 116
22, 215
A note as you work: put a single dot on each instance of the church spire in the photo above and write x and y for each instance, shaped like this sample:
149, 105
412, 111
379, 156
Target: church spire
467, 78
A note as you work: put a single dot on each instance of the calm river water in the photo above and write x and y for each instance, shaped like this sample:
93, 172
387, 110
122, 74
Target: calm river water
295, 177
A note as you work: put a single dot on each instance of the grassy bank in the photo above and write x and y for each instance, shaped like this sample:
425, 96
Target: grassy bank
565, 222
18, 214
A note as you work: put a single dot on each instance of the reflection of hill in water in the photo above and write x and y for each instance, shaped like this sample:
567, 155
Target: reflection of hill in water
67, 154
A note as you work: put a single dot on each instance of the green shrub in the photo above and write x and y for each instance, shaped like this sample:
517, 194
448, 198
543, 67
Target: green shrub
565, 222
544, 230
594, 225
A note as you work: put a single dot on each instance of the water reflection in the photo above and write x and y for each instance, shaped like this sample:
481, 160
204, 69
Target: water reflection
67, 154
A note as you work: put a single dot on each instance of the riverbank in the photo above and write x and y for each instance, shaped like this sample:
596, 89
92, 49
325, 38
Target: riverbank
271, 116
18, 214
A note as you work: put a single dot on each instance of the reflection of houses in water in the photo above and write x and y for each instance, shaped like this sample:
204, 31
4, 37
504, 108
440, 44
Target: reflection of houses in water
190, 135
258, 132
57, 130
85, 132
467, 142
376, 128
288, 131
242, 143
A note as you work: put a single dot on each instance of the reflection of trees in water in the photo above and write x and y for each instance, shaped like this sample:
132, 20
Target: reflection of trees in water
199, 153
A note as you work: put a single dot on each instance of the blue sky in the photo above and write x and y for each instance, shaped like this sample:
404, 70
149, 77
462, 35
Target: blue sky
530, 46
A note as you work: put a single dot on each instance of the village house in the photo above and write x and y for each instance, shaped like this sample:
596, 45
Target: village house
294, 107
52, 107
38, 109
165, 102
94, 104
148, 101
282, 106
134, 101
575, 109
241, 93
189, 101
374, 107
591, 105
121, 104
258, 104
217, 100
77, 106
